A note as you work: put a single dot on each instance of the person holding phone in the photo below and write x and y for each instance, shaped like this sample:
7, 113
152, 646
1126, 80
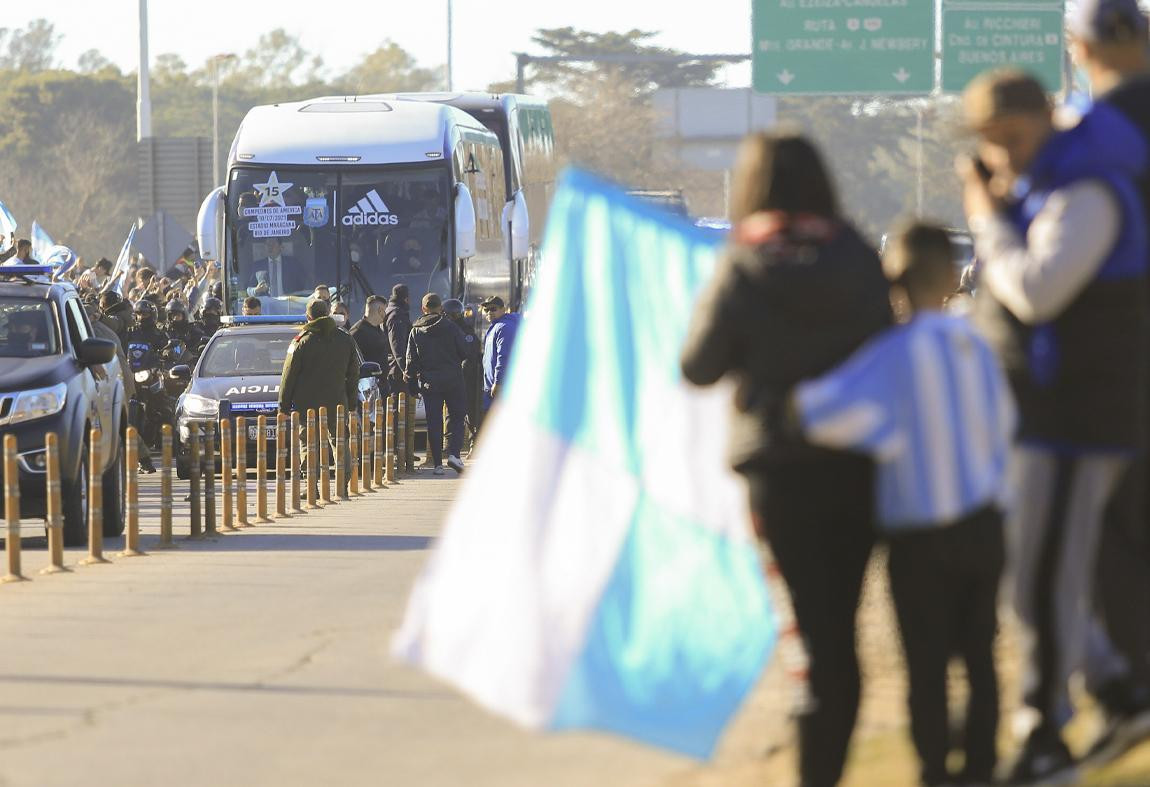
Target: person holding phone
1059, 228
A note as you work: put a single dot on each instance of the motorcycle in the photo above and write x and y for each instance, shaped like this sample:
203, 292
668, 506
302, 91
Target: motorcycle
157, 392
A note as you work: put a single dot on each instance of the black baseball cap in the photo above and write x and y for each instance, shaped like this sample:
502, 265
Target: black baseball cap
491, 304
1109, 21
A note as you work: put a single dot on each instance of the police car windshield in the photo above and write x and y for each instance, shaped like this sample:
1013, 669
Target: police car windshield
251, 355
27, 329
368, 228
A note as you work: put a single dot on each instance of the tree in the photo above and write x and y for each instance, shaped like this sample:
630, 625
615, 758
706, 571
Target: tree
93, 62
644, 77
279, 61
30, 49
389, 69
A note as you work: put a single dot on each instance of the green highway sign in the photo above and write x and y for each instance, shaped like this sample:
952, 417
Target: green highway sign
843, 46
978, 37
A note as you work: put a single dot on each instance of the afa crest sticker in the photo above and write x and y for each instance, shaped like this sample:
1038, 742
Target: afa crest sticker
315, 212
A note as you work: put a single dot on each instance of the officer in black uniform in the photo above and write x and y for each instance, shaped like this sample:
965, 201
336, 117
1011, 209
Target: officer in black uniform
472, 365
181, 331
210, 314
144, 344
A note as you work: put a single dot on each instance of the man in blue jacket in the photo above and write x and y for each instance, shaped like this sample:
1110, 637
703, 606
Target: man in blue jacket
497, 346
1059, 228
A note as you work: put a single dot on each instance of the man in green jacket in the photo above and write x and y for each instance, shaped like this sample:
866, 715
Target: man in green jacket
321, 368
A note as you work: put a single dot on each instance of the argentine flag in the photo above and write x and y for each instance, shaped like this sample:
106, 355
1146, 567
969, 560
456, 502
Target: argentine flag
42, 243
7, 226
598, 568
116, 278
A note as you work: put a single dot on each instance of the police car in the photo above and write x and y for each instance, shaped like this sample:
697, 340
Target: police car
241, 366
57, 376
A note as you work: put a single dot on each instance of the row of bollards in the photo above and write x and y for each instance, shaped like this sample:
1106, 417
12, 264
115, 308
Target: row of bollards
371, 446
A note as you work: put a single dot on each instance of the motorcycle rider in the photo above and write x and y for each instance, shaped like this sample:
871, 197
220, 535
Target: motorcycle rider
182, 331
210, 314
144, 344
116, 313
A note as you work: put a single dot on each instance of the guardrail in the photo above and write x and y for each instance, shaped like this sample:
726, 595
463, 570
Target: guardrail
372, 446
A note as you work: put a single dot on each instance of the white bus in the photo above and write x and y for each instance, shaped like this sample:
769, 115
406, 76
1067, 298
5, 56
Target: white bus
527, 136
360, 194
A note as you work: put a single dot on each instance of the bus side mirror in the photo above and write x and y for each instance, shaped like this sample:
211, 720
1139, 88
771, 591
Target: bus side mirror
464, 223
208, 224
520, 227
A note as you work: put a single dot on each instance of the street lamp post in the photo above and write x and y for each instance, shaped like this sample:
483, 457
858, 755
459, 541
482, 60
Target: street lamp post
215, 61
450, 87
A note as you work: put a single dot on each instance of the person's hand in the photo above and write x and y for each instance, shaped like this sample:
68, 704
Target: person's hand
977, 198
261, 288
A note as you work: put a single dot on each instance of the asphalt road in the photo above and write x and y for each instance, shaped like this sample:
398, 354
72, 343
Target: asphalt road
260, 658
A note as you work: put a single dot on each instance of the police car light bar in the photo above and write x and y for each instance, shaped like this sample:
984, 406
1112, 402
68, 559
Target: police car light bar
26, 270
263, 319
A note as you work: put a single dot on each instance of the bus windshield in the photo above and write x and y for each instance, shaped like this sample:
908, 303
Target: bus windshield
360, 231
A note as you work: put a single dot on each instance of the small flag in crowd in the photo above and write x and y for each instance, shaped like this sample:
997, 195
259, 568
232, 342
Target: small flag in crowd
61, 258
42, 243
611, 580
7, 226
115, 281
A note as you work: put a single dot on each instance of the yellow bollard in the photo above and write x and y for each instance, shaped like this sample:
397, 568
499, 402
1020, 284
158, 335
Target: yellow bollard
209, 465
323, 451
391, 450
166, 490
262, 470
378, 431
353, 442
295, 442
132, 493
226, 475
242, 473
312, 462
281, 466
401, 435
409, 435
195, 466
55, 506
340, 451
12, 510
365, 448
95, 503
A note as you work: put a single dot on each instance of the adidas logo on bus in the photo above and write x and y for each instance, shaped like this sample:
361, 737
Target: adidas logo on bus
371, 209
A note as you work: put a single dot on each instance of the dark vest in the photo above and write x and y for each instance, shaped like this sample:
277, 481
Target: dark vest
1079, 378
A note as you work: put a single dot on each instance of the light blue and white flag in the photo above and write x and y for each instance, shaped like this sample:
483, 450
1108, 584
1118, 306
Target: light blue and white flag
598, 568
42, 243
115, 281
61, 258
7, 227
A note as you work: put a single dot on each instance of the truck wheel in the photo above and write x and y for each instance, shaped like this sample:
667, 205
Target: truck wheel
75, 504
115, 494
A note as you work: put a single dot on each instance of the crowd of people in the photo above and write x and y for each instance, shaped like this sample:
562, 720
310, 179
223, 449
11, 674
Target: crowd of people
990, 431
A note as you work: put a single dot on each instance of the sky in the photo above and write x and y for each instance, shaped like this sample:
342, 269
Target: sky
342, 31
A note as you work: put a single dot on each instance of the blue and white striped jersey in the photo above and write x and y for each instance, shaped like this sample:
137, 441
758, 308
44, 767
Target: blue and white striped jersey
929, 402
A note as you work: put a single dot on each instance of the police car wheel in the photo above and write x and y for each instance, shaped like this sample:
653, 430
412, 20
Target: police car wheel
114, 494
75, 500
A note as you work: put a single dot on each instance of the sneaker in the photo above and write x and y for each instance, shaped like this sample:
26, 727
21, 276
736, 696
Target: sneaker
438, 470
1044, 760
456, 464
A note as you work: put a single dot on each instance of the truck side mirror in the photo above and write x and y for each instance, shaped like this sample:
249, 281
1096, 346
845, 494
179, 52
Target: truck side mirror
520, 227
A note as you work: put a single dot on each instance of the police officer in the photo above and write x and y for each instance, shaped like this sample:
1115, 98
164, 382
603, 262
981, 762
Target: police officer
435, 356
182, 331
472, 364
321, 369
210, 314
144, 344
116, 313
